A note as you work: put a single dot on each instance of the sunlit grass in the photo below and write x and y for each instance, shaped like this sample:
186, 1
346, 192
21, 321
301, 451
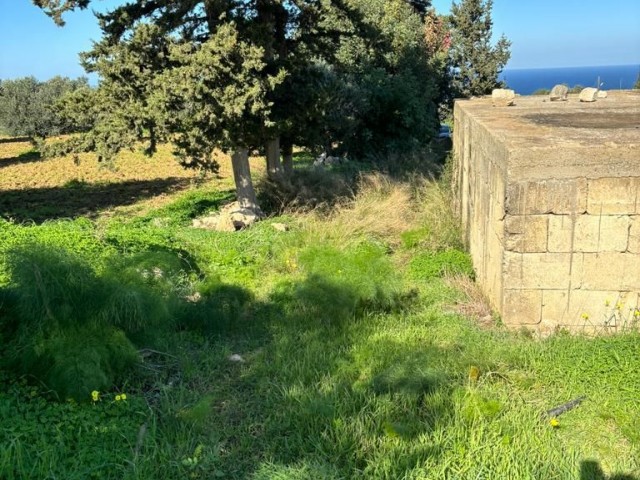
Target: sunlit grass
354, 362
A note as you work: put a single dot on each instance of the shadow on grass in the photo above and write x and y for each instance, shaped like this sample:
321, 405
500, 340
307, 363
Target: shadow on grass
80, 199
26, 157
591, 470
305, 401
322, 389
14, 140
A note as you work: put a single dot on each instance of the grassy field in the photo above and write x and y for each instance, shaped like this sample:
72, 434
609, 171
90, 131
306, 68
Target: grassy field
353, 345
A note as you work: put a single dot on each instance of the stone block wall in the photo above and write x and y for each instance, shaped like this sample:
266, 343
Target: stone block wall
552, 247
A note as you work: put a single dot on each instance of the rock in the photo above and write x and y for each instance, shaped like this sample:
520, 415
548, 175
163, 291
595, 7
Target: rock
325, 160
602, 94
242, 217
559, 93
235, 358
230, 218
319, 161
502, 97
588, 94
281, 227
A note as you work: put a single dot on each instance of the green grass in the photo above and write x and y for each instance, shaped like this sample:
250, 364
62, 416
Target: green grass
354, 362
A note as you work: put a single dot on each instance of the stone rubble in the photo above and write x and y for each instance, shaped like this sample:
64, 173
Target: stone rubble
230, 218
559, 93
589, 94
503, 97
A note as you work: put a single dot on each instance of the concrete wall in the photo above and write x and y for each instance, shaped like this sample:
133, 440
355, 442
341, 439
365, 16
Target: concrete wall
549, 198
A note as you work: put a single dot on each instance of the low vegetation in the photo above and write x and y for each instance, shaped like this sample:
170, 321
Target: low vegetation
352, 345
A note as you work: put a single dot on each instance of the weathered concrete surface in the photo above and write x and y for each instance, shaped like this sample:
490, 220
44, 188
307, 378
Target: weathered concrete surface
549, 197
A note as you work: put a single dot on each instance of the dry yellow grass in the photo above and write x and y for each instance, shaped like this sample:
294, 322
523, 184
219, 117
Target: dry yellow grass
383, 208
33, 188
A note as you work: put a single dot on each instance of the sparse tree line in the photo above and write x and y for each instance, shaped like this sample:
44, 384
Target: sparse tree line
350, 76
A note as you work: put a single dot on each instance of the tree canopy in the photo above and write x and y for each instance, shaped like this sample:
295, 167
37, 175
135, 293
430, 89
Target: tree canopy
474, 62
353, 75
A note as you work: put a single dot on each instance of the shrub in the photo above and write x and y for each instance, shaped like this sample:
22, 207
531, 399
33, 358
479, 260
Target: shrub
74, 329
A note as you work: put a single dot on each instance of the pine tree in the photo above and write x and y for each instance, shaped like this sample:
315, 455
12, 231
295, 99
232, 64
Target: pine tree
474, 63
236, 76
201, 74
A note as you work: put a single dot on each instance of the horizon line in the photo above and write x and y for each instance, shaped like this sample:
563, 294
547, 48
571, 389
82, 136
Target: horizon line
576, 66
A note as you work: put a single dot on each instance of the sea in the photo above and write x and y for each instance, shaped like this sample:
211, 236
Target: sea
525, 81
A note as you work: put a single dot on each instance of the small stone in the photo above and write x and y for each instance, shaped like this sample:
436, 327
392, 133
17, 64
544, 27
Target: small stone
559, 93
502, 97
602, 94
281, 227
588, 94
236, 358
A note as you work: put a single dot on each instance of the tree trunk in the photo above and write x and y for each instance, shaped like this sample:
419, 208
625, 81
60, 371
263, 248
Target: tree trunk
287, 158
274, 167
242, 177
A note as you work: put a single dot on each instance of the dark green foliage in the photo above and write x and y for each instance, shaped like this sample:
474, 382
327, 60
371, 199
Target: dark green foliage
341, 283
542, 91
27, 106
220, 308
353, 76
474, 63
388, 98
430, 265
55, 8
73, 328
636, 85
34, 428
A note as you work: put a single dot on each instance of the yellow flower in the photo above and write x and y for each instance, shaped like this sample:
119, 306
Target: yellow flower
554, 422
118, 398
607, 302
585, 316
618, 306
123, 396
95, 395
636, 313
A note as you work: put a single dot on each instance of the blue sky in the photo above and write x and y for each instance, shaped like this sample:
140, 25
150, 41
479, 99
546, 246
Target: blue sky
544, 33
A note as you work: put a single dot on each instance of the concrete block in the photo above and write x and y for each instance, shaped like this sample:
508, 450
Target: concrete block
542, 270
588, 233
608, 271
567, 196
614, 195
586, 308
522, 307
549, 196
526, 233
